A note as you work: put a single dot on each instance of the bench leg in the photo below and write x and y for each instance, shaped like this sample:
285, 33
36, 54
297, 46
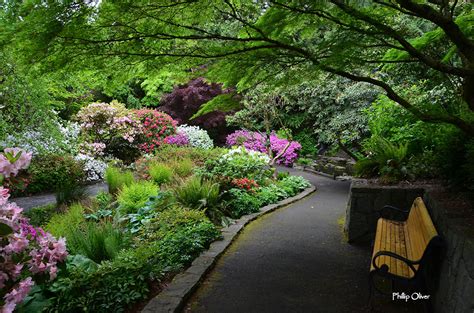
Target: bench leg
371, 292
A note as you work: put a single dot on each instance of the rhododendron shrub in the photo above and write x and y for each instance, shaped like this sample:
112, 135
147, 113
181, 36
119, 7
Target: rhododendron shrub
197, 137
180, 140
108, 128
28, 254
257, 142
155, 126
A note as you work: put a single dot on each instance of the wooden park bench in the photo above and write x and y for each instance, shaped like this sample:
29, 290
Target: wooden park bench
403, 247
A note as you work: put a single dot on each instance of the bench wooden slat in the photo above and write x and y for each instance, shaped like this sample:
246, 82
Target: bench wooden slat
407, 239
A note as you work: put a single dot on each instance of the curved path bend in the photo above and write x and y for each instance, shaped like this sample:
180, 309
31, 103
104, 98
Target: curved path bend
292, 260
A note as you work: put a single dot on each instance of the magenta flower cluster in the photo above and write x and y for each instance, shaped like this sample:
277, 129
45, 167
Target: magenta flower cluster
26, 252
180, 139
258, 142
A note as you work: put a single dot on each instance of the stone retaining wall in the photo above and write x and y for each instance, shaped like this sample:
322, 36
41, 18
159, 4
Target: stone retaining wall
365, 199
454, 292
453, 289
332, 166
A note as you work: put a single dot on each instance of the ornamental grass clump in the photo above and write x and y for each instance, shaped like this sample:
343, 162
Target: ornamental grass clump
136, 195
97, 241
160, 173
116, 179
197, 193
183, 168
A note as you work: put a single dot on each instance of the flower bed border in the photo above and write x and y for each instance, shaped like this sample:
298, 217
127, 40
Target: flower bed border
174, 295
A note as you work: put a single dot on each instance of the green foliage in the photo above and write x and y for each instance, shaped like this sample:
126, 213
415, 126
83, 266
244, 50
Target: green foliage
242, 202
133, 197
160, 173
173, 241
386, 159
197, 193
70, 192
39, 216
196, 155
271, 194
183, 168
97, 241
224, 103
51, 172
292, 185
117, 179
64, 224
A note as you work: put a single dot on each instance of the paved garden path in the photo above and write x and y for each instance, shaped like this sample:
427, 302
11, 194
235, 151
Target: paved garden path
44, 199
293, 260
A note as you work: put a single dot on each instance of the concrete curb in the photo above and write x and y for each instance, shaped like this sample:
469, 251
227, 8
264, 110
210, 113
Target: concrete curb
174, 296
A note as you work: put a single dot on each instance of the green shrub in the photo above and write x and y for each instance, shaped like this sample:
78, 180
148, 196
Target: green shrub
103, 200
271, 194
196, 193
50, 172
113, 287
116, 179
97, 241
70, 192
184, 167
62, 224
135, 196
386, 159
160, 173
292, 185
239, 163
242, 202
39, 216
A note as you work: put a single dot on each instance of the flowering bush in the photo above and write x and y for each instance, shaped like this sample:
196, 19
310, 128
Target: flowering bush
94, 169
110, 127
180, 139
244, 183
256, 141
27, 254
64, 140
155, 127
198, 138
239, 163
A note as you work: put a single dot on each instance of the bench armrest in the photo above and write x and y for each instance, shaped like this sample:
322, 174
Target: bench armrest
395, 256
388, 211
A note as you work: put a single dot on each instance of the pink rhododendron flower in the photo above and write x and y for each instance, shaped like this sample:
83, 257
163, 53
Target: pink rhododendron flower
26, 251
7, 168
17, 295
4, 195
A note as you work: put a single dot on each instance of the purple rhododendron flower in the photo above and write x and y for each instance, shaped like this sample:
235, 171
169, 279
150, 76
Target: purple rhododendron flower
179, 139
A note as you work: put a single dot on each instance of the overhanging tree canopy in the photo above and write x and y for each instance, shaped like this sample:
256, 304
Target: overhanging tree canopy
246, 42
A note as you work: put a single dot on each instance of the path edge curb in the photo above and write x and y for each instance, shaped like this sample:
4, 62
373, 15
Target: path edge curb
174, 296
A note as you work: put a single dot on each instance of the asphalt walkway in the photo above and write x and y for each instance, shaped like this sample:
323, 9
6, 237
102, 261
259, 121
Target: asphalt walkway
292, 260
